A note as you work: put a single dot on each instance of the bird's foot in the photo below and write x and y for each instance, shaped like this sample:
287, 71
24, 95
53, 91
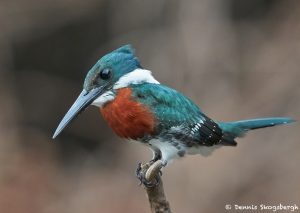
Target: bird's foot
157, 156
141, 175
138, 172
149, 173
152, 161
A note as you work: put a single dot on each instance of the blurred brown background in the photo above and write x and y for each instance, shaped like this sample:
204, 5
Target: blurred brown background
236, 59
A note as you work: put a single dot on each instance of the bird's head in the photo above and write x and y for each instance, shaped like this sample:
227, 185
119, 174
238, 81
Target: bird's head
108, 70
100, 79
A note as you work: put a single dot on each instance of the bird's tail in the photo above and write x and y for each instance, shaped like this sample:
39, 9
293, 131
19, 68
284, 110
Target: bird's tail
240, 128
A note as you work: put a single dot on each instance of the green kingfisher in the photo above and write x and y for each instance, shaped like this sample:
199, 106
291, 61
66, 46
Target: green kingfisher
137, 107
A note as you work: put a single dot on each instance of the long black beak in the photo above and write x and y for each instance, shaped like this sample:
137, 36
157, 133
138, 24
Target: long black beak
83, 101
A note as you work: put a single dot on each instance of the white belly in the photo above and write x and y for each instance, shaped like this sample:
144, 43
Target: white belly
202, 150
170, 152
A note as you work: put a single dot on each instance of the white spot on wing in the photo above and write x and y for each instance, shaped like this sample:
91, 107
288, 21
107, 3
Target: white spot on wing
137, 76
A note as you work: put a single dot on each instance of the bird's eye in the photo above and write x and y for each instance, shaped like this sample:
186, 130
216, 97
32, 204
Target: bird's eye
105, 73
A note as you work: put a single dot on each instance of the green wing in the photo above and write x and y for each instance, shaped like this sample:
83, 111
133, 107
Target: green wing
168, 105
178, 116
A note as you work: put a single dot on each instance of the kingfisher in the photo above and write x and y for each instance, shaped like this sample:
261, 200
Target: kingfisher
138, 107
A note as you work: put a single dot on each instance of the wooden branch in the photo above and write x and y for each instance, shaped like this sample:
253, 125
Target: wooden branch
155, 192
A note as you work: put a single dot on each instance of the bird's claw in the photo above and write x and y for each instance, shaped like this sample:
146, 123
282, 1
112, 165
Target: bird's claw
157, 156
138, 173
141, 176
152, 161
